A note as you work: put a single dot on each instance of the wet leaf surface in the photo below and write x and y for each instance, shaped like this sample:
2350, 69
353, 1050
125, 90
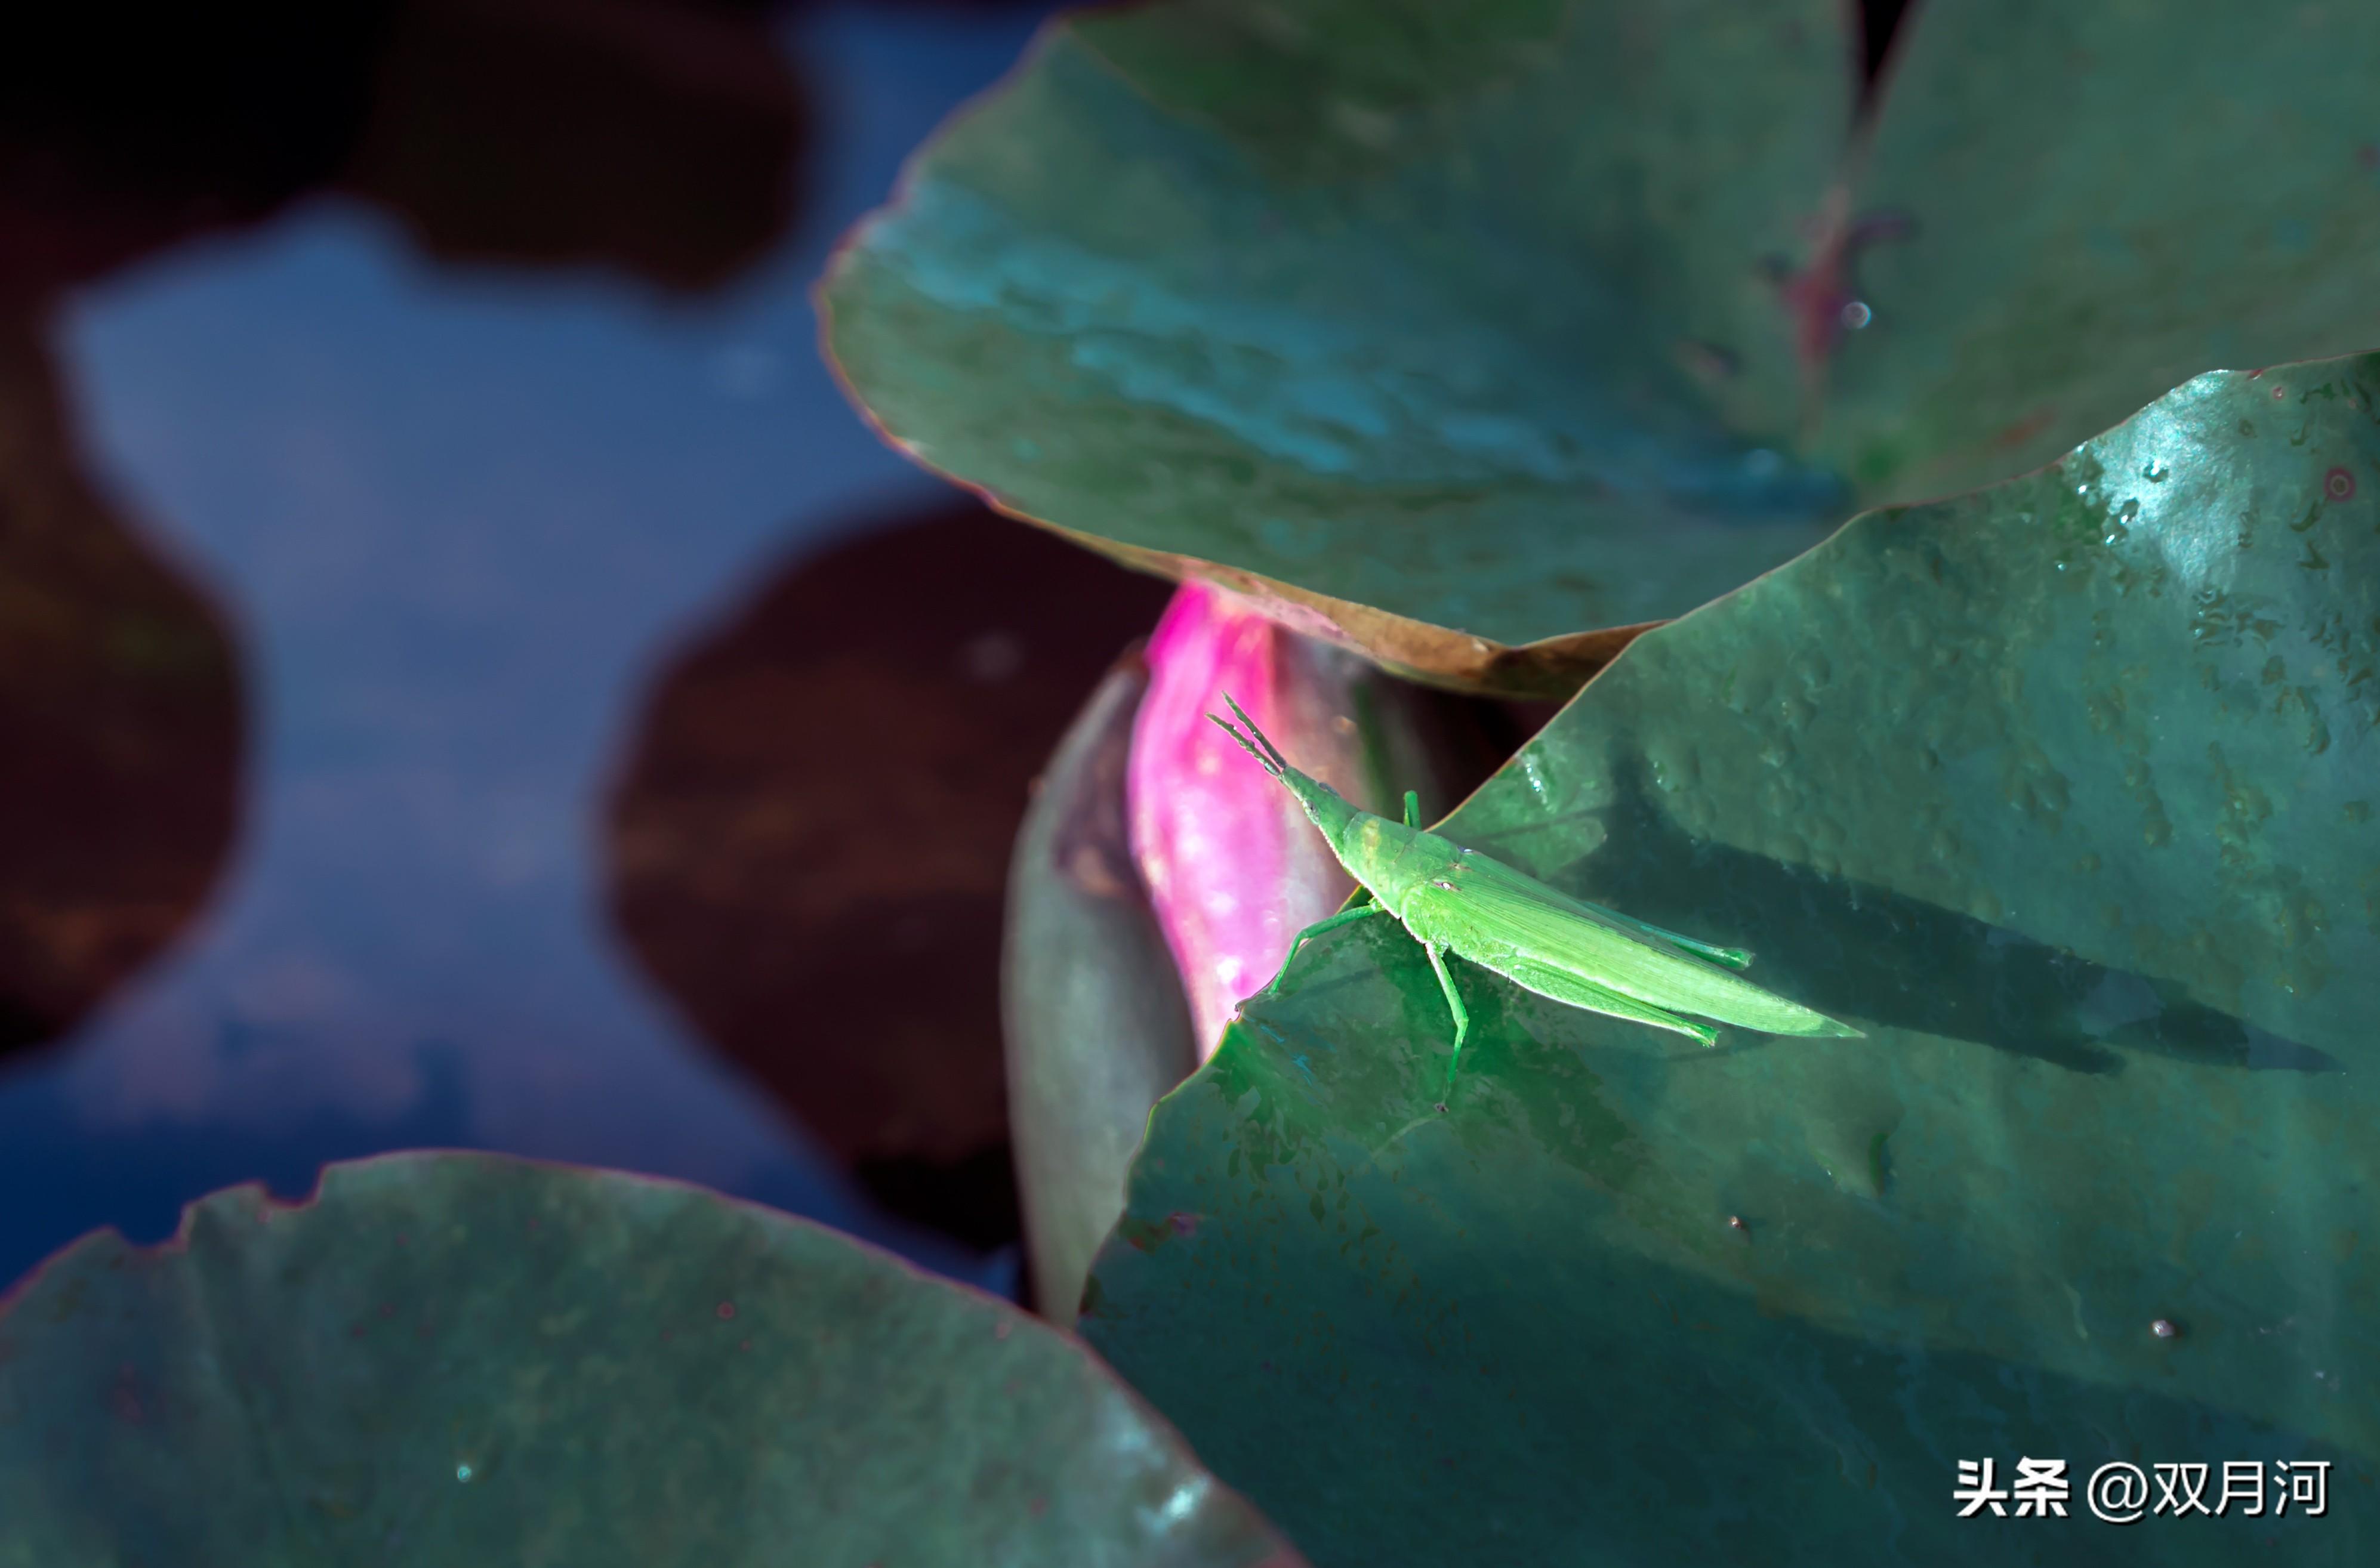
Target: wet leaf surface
2058, 270
2063, 791
1474, 341
467, 1358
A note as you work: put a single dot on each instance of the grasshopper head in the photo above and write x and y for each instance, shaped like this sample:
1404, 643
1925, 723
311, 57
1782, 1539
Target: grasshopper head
1329, 810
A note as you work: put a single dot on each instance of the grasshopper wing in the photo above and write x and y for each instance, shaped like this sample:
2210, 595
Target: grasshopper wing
1547, 980
1513, 920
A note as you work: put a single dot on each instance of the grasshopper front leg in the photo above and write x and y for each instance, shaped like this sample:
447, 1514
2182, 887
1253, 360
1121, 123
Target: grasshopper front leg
1316, 929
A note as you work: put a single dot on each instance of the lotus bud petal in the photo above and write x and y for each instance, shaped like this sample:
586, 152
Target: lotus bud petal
1233, 869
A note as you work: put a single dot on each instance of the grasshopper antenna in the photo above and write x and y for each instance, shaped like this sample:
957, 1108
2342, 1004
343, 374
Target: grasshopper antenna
1246, 745
1278, 761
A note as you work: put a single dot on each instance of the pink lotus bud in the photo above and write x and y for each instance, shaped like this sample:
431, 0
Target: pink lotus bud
1234, 869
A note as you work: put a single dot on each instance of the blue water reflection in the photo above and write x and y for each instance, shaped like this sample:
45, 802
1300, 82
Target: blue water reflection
456, 517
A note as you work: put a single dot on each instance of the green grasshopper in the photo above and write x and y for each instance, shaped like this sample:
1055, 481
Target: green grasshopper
1457, 900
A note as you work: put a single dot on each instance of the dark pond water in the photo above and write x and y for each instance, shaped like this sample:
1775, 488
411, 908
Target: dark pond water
455, 519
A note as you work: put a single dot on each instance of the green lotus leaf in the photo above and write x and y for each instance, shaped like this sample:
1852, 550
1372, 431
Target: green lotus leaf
1477, 338
2050, 269
2064, 791
467, 1360
1373, 308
